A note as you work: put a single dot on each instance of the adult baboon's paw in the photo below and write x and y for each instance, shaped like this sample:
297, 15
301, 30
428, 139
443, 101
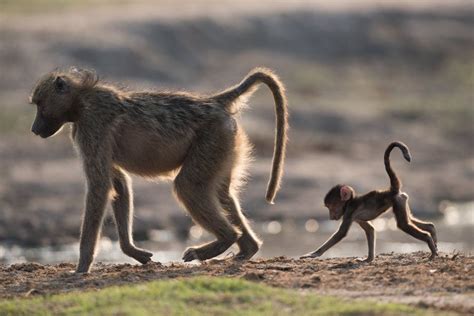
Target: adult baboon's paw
241, 257
247, 250
244, 255
433, 256
140, 255
143, 256
81, 270
190, 254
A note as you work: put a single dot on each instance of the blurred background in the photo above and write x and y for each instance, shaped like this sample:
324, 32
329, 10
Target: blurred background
359, 74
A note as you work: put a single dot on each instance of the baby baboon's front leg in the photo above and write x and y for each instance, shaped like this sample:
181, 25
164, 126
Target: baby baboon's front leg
122, 206
335, 238
370, 234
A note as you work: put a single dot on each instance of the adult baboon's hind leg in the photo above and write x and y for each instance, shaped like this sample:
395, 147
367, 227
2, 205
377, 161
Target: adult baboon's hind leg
205, 209
402, 215
122, 206
248, 242
196, 186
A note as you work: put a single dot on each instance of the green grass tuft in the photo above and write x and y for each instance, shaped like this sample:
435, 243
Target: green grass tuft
199, 296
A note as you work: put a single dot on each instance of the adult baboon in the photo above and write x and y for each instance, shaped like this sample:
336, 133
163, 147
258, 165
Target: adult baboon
194, 139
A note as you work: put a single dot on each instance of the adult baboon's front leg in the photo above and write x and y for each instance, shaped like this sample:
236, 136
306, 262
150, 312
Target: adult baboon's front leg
122, 206
98, 188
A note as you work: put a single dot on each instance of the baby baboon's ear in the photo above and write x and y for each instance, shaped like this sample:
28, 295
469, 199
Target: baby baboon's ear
346, 193
61, 85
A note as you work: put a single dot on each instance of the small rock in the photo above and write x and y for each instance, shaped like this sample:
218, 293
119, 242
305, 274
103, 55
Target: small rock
254, 276
33, 292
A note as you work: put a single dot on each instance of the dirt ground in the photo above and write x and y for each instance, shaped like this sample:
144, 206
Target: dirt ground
357, 79
446, 283
357, 76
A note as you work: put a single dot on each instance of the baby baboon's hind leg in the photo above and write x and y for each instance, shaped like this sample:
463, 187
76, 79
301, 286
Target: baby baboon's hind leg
404, 222
196, 186
248, 242
426, 226
122, 206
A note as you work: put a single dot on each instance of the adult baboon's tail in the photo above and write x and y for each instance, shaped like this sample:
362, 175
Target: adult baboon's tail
395, 183
230, 98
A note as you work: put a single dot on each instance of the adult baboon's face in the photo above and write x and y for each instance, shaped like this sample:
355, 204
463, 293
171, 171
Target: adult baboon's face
46, 127
54, 105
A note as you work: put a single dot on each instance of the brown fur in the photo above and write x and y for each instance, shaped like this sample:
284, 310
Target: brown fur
194, 139
342, 201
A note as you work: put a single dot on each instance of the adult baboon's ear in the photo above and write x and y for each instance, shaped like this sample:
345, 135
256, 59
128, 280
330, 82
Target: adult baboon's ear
346, 193
60, 84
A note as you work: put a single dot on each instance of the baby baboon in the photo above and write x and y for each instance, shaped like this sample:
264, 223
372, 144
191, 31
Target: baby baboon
194, 139
342, 201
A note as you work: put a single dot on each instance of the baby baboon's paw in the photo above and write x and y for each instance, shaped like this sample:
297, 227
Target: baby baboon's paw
190, 254
81, 273
367, 260
311, 255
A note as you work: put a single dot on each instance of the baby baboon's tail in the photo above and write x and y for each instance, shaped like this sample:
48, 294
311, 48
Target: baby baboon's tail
230, 98
395, 183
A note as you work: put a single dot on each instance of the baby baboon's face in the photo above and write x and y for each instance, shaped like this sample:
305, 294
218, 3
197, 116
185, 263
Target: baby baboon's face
53, 97
335, 200
336, 209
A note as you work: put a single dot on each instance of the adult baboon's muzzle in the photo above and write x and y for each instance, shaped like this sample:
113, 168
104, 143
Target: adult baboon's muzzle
43, 127
38, 125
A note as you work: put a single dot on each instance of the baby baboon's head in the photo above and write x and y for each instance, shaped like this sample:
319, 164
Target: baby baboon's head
336, 199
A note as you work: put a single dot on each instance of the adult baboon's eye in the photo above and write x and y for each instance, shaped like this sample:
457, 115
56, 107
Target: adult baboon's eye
40, 108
